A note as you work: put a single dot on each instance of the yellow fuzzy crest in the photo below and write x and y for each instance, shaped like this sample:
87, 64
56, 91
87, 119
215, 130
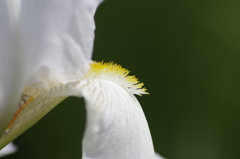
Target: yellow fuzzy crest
116, 73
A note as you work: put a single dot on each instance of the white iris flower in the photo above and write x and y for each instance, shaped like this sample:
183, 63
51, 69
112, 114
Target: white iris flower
45, 52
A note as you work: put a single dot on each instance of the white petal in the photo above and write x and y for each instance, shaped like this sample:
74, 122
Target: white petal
31, 114
43, 40
157, 156
9, 149
116, 125
12, 77
57, 36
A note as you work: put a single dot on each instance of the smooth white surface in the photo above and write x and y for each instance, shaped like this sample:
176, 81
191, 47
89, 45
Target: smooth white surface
158, 156
9, 149
11, 74
116, 126
42, 41
58, 37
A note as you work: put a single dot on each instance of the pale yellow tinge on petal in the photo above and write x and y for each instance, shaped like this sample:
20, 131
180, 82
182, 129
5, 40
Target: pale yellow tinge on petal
20, 107
42, 94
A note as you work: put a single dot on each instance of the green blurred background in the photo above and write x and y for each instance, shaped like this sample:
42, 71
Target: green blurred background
188, 55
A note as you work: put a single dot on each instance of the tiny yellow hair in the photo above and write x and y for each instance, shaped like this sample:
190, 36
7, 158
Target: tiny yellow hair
116, 73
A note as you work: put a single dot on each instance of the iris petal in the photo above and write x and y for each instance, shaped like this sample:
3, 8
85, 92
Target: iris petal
58, 36
9, 149
12, 76
42, 42
116, 125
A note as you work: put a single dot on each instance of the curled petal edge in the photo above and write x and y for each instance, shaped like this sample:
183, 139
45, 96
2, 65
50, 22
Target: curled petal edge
116, 125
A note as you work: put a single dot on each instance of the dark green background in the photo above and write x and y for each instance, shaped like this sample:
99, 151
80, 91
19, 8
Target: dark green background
188, 55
